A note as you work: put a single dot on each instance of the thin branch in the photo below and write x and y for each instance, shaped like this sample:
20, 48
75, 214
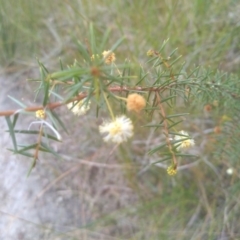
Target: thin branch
36, 108
166, 64
166, 129
80, 97
38, 146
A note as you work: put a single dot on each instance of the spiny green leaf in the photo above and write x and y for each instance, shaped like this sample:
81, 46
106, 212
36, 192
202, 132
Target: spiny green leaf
174, 124
92, 39
164, 44
56, 120
170, 55
46, 85
117, 43
24, 149
172, 63
46, 148
21, 153
75, 89
68, 74
185, 155
163, 159
84, 52
104, 39
168, 98
157, 148
176, 115
11, 131
33, 132
17, 101
15, 118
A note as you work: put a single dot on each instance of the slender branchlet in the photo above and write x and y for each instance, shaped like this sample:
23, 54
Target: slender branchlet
165, 128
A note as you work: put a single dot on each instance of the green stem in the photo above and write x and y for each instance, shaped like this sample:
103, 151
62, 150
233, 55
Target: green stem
121, 98
109, 107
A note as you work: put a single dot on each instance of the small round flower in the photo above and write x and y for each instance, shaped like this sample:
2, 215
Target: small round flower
171, 170
79, 108
117, 131
150, 53
230, 171
135, 102
40, 114
184, 142
109, 57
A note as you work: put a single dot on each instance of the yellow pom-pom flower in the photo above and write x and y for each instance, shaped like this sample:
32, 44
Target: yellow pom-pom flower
135, 102
109, 57
150, 53
40, 114
171, 170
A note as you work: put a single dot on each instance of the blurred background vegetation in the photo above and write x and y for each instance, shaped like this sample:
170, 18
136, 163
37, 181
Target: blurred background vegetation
201, 202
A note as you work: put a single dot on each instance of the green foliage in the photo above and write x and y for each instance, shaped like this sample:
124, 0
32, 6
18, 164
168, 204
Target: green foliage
201, 100
170, 91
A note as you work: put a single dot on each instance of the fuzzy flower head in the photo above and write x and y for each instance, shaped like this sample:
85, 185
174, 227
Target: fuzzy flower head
230, 171
117, 131
150, 53
109, 57
135, 102
40, 114
79, 108
184, 141
171, 170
